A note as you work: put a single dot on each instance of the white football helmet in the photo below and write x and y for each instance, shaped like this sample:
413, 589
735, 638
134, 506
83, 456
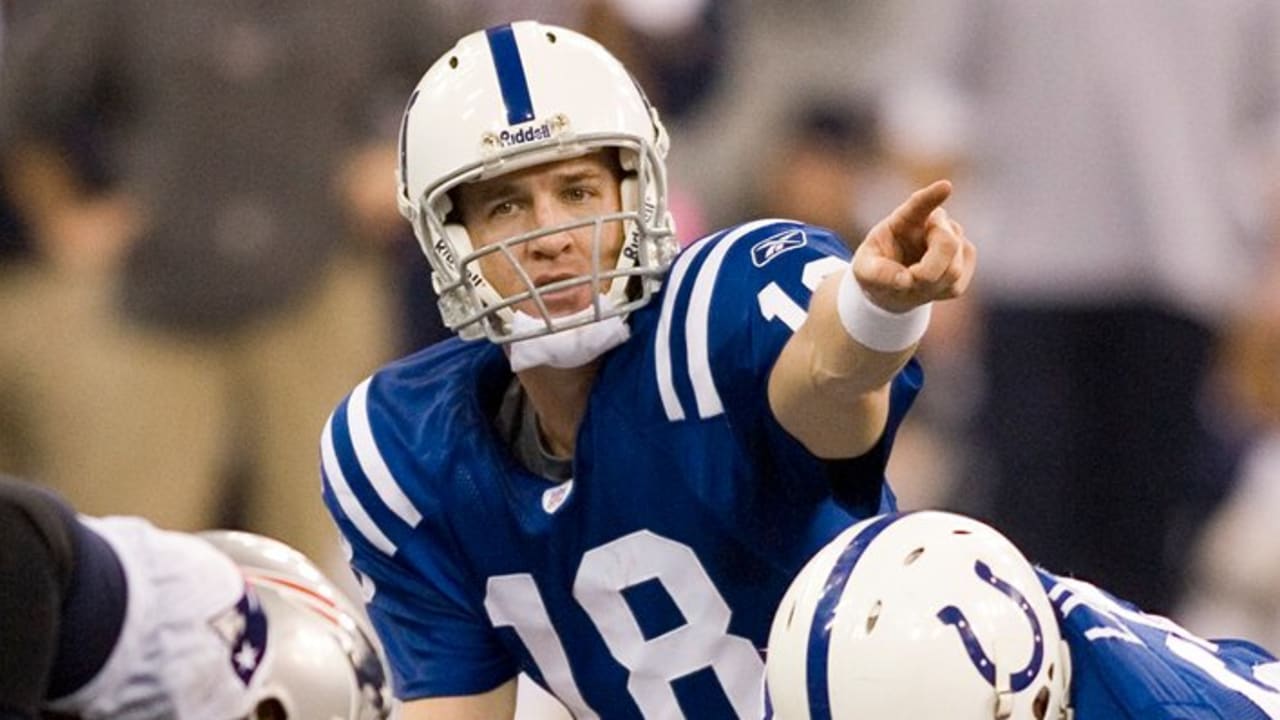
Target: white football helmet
921, 615
508, 98
320, 662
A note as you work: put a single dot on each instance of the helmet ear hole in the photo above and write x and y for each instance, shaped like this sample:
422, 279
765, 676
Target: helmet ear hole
873, 617
1040, 706
269, 709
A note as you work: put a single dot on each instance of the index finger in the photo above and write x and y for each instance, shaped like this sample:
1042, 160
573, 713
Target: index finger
914, 213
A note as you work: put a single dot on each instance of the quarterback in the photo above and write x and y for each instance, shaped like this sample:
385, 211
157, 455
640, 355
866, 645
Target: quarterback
612, 474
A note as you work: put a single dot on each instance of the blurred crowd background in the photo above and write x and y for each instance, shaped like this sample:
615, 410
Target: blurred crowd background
200, 253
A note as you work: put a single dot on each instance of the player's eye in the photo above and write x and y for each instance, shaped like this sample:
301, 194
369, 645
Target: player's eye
502, 209
578, 193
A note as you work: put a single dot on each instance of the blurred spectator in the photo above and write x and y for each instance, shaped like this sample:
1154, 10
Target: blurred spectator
14, 245
824, 155
1235, 587
676, 48
204, 309
773, 54
1111, 145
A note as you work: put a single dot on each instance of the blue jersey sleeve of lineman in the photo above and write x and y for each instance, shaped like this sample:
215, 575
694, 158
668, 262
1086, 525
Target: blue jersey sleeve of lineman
1128, 665
744, 292
416, 594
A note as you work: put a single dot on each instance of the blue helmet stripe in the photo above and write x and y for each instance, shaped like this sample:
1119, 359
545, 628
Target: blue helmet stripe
824, 614
511, 77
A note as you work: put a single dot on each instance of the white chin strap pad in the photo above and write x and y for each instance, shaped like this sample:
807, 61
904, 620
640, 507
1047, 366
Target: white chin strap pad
570, 348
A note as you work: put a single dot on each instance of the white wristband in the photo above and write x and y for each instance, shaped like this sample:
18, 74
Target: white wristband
875, 327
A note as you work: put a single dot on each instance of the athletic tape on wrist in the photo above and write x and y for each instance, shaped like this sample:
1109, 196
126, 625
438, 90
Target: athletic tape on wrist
875, 327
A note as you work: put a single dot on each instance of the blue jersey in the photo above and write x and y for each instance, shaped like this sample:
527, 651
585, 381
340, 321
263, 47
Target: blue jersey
645, 586
1127, 665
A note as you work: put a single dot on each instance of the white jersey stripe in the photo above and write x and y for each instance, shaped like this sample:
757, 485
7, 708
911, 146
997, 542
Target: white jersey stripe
367, 588
371, 462
351, 506
662, 338
698, 320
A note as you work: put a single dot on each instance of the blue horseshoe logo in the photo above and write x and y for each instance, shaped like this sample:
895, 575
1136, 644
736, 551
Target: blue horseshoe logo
954, 616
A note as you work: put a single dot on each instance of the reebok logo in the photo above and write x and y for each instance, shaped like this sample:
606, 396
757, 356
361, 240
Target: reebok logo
771, 247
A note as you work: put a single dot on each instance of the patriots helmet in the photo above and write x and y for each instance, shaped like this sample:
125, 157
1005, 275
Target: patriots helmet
320, 660
509, 98
917, 615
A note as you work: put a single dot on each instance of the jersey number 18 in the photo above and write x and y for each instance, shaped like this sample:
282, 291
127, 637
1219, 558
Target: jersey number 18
703, 641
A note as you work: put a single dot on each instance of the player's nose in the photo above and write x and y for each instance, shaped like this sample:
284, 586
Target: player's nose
548, 214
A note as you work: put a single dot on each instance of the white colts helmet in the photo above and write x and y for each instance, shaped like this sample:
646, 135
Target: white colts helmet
320, 661
923, 615
508, 98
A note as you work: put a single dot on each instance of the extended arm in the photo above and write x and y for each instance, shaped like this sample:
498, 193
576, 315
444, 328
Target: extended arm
827, 388
62, 600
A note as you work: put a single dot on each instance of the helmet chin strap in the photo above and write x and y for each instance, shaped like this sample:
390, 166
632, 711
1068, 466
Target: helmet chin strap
569, 348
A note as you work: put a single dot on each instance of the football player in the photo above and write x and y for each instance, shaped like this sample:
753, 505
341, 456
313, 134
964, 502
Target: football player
935, 615
613, 489
113, 618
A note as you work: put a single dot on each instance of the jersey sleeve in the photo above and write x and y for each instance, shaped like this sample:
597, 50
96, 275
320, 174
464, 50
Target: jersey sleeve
1127, 664
438, 641
750, 289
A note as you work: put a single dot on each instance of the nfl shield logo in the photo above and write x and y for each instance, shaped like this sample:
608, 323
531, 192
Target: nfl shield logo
553, 498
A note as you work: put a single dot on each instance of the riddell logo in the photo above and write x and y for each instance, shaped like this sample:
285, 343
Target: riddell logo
527, 134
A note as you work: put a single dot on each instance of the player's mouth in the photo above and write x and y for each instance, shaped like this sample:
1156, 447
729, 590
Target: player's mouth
566, 300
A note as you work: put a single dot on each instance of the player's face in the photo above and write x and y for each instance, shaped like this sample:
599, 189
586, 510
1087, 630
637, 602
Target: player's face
539, 197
